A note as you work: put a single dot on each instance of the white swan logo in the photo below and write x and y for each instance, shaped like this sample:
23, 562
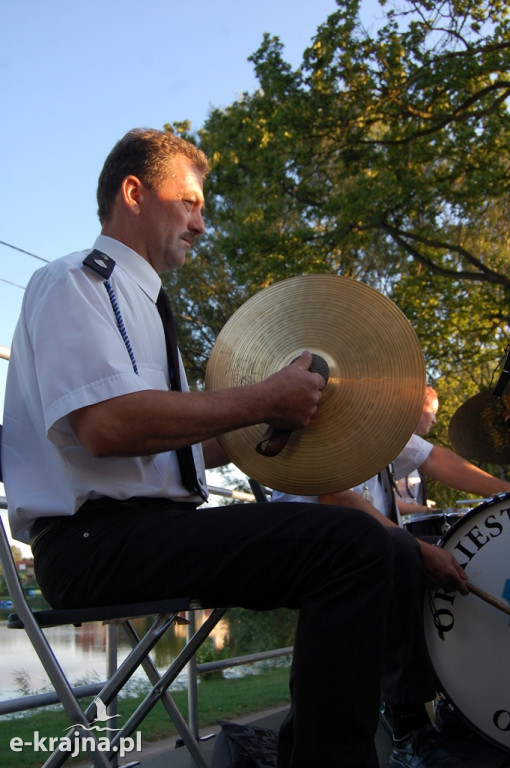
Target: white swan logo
102, 716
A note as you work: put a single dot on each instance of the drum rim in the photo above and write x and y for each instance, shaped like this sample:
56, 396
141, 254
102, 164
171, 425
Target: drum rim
421, 515
468, 515
413, 519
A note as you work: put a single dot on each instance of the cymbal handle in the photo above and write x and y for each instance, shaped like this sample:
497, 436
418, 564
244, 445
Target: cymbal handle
274, 440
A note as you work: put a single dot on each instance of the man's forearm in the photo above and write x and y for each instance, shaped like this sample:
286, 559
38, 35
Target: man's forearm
355, 501
149, 422
451, 469
153, 421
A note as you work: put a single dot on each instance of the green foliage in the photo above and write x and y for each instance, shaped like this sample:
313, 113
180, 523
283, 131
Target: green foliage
207, 653
254, 631
385, 156
380, 151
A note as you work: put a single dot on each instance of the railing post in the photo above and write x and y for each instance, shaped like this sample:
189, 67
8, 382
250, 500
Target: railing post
111, 667
192, 679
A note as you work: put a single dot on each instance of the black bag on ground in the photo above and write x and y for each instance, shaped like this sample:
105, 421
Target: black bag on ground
244, 746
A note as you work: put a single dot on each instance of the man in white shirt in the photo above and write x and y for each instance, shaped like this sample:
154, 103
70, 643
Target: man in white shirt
411, 487
104, 452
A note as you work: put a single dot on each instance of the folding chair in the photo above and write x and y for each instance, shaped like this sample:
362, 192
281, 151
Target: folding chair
165, 611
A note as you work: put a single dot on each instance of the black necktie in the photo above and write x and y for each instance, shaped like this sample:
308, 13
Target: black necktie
386, 481
184, 455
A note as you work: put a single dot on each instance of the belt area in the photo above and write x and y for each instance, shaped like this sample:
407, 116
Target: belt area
42, 525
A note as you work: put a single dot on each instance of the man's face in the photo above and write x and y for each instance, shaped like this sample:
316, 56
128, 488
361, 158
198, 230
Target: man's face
428, 416
171, 216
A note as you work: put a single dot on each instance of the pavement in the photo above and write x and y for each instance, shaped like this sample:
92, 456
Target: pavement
472, 750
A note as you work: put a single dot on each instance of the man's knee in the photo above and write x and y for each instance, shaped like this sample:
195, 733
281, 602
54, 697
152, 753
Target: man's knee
407, 558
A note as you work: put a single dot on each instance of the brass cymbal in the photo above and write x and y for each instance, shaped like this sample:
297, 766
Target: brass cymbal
374, 394
480, 429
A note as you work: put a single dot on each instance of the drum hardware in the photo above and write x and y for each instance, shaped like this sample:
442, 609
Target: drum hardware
470, 503
435, 523
373, 397
451, 517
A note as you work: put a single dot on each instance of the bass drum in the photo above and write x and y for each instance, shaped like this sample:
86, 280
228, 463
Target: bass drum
469, 639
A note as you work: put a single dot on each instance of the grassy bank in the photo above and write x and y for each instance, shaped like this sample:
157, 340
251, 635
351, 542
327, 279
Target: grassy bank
219, 699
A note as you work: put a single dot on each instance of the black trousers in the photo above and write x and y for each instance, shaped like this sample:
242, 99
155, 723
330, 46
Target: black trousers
334, 564
408, 677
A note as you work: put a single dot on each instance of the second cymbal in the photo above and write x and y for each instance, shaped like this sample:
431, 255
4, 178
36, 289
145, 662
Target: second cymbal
480, 429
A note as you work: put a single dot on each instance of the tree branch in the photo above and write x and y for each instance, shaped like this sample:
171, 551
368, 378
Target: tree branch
484, 273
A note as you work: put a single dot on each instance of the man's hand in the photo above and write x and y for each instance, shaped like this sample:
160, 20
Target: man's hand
293, 394
442, 569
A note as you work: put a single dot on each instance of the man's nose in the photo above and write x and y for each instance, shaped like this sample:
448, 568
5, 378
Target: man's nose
197, 224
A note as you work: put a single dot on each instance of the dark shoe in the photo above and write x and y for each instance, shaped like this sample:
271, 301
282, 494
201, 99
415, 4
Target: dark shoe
422, 749
448, 723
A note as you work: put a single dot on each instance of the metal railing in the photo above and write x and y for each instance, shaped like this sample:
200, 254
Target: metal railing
37, 700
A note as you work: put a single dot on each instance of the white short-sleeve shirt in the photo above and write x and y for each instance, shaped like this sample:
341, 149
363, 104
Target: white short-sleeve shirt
67, 352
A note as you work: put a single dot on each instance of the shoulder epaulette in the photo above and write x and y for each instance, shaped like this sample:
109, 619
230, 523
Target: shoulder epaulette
100, 263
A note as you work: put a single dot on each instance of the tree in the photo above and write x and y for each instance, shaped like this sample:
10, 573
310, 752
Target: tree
386, 157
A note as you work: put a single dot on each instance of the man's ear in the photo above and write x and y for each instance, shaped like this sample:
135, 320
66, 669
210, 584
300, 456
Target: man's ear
132, 192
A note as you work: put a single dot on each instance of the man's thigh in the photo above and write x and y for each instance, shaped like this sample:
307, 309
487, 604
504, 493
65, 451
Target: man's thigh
257, 555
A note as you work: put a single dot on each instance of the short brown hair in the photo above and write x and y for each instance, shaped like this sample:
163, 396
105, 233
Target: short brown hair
430, 394
144, 153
